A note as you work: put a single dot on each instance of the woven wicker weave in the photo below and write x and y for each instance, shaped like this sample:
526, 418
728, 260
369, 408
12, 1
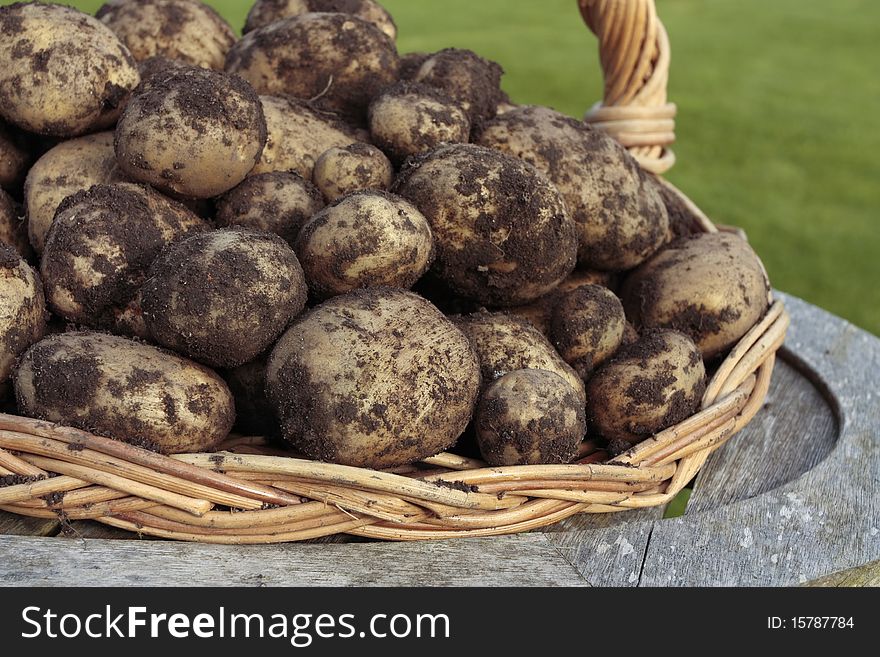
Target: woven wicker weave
278, 498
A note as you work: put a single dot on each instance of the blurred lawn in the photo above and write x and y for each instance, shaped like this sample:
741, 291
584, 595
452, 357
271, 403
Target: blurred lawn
779, 116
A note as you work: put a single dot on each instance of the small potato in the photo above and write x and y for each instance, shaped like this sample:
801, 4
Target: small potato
468, 79
194, 133
410, 63
277, 202
409, 118
126, 390
13, 230
621, 218
223, 297
530, 417
648, 386
337, 61
299, 135
502, 232
376, 378
15, 157
22, 309
366, 239
711, 287
268, 11
99, 250
587, 327
254, 415
184, 30
62, 72
358, 167
70, 167
506, 343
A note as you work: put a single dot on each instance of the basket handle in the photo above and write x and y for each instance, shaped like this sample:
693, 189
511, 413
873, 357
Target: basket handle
635, 53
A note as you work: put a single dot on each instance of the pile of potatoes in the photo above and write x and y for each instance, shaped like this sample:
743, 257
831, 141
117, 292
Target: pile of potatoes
303, 234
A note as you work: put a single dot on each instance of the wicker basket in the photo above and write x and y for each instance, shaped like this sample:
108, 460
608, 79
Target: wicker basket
253, 493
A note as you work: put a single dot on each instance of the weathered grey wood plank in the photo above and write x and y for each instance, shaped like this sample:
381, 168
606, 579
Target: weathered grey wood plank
524, 560
863, 576
827, 520
16, 525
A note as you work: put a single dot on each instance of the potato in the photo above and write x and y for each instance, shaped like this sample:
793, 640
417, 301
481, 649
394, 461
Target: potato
376, 378
118, 388
254, 415
648, 386
408, 119
366, 239
620, 216
410, 63
99, 250
711, 287
70, 167
13, 230
312, 56
501, 229
15, 157
223, 297
468, 79
22, 309
194, 133
299, 135
506, 343
540, 311
277, 202
268, 11
62, 72
341, 171
587, 327
682, 220
530, 417
184, 30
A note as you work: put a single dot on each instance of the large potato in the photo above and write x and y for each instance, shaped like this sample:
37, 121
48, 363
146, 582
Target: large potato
127, 390
506, 343
336, 60
184, 30
99, 250
22, 309
299, 134
648, 386
223, 297
711, 287
468, 79
194, 133
70, 167
376, 378
15, 157
268, 11
13, 230
621, 218
366, 239
502, 233
62, 72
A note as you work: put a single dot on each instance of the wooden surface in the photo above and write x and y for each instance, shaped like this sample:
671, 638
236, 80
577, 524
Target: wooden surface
791, 500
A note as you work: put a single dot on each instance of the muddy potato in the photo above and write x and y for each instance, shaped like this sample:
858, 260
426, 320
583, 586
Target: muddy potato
712, 287
468, 79
502, 232
99, 250
410, 63
409, 118
22, 309
184, 30
68, 168
254, 415
587, 327
357, 167
62, 72
195, 133
366, 239
278, 202
530, 417
621, 218
376, 378
299, 134
268, 11
648, 386
119, 388
506, 343
223, 297
15, 157
13, 230
311, 57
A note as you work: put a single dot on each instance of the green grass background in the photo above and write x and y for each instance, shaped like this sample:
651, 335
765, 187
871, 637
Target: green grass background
779, 116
